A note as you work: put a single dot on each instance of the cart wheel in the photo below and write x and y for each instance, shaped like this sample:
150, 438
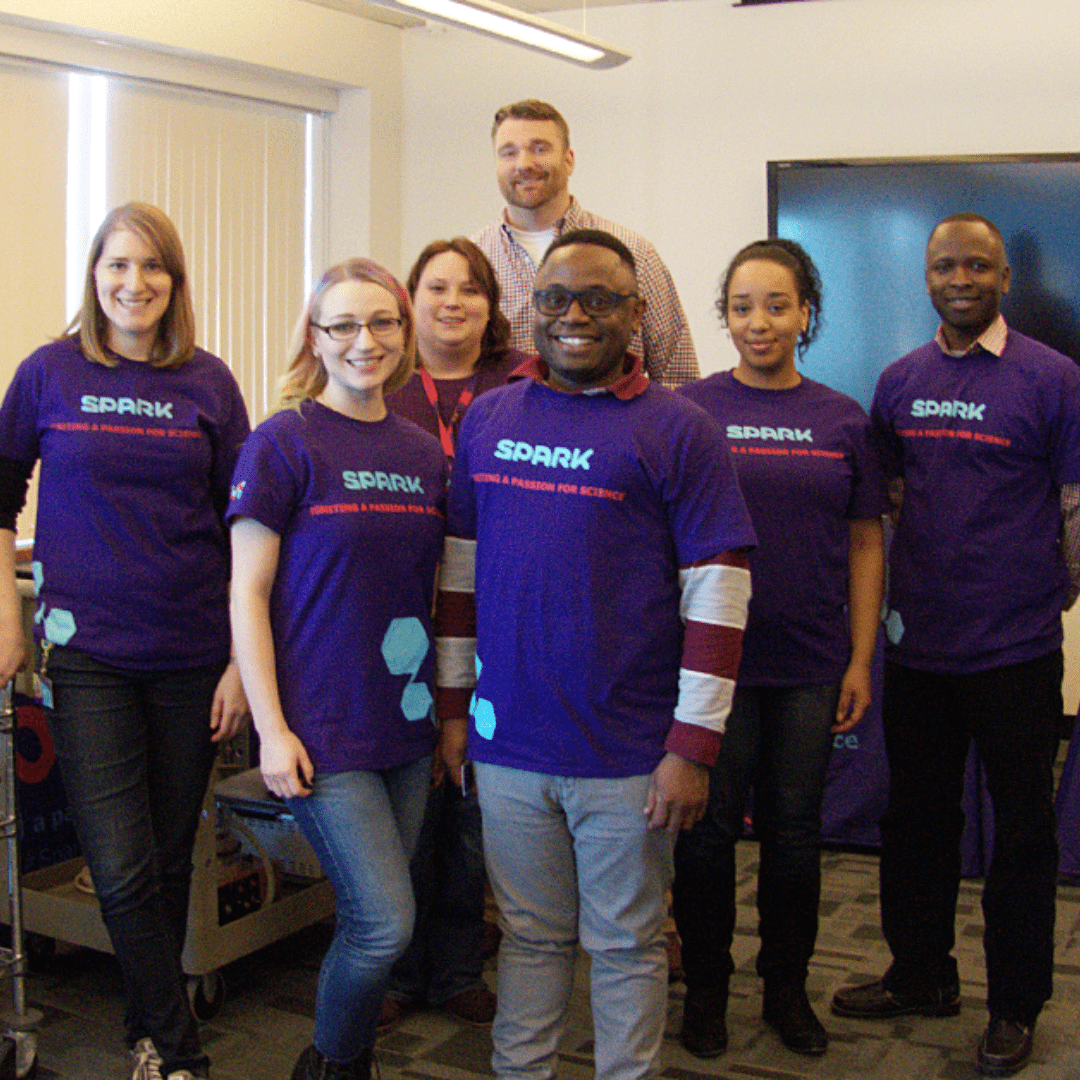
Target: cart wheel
25, 1055
207, 993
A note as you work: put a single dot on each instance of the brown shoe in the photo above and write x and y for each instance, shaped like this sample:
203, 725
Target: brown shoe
474, 1006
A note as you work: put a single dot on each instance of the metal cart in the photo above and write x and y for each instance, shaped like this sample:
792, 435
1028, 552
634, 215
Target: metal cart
53, 906
19, 1055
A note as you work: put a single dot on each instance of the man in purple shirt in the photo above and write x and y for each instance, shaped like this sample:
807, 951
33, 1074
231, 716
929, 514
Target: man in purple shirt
980, 432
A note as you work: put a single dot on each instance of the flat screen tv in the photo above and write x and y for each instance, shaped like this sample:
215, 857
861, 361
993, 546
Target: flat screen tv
865, 223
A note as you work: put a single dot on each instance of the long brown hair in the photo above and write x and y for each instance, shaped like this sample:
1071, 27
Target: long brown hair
175, 342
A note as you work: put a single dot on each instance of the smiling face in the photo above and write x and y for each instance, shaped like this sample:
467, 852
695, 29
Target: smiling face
133, 288
585, 351
533, 164
356, 370
966, 277
451, 309
765, 318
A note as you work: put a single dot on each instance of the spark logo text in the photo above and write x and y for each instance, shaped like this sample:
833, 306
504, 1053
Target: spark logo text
554, 457
962, 410
780, 434
91, 403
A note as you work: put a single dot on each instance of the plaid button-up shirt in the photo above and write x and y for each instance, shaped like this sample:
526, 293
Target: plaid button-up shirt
664, 339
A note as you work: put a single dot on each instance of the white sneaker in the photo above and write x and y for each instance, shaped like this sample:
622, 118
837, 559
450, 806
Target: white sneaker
147, 1061
183, 1074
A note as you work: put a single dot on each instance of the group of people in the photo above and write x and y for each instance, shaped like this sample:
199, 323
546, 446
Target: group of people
629, 608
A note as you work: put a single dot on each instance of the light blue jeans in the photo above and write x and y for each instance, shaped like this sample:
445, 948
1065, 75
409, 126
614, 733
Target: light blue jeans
363, 827
571, 860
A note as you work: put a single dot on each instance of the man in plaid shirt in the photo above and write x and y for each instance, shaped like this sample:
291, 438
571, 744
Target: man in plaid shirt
533, 163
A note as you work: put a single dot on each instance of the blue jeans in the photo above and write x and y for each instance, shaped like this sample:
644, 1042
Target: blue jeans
135, 756
363, 827
778, 743
446, 955
571, 859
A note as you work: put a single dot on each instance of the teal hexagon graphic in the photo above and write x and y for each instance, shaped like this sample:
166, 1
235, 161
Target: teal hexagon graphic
472, 700
416, 701
39, 576
894, 627
59, 626
484, 716
404, 646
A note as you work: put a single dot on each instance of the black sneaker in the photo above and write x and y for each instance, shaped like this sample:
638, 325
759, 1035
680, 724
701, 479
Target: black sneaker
704, 1026
787, 1009
311, 1065
875, 1001
1005, 1047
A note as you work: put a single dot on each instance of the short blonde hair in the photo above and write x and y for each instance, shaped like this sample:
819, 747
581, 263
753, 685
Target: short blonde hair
175, 343
306, 375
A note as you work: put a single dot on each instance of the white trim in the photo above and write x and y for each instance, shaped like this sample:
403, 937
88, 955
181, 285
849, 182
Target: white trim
120, 56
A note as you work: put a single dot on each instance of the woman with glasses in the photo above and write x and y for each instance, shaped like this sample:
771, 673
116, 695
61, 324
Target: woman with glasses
815, 493
462, 343
337, 525
137, 431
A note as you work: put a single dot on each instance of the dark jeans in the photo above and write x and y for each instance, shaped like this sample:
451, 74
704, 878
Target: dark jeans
135, 756
446, 954
777, 742
1013, 714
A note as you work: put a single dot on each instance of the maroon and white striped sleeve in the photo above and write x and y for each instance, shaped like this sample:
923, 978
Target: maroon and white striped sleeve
715, 595
455, 629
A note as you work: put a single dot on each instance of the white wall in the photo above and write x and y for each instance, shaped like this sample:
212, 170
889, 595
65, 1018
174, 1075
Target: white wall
674, 143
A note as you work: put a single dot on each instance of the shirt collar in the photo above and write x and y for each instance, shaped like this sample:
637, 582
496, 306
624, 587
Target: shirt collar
992, 339
632, 382
570, 220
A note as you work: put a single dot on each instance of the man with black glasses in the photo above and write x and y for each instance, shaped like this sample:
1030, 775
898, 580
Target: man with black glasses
596, 530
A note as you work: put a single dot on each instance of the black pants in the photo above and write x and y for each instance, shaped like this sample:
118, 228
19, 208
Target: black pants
778, 743
135, 755
1013, 714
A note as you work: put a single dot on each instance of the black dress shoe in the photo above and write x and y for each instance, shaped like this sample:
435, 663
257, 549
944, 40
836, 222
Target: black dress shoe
1005, 1047
704, 1026
875, 1001
787, 1009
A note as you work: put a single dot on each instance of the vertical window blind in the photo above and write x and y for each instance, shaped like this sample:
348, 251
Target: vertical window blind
231, 174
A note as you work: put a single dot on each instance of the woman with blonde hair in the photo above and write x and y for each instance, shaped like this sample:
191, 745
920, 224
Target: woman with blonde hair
337, 525
137, 431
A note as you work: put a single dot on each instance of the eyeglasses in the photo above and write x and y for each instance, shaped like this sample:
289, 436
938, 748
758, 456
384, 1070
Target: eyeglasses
595, 300
381, 326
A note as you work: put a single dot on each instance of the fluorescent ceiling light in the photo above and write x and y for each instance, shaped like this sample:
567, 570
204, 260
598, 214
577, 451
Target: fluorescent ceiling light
507, 24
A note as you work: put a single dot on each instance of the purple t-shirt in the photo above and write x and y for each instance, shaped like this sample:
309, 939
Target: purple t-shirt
584, 507
977, 578
359, 507
131, 559
807, 468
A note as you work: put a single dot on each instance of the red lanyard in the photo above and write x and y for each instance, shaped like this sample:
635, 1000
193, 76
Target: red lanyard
446, 431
